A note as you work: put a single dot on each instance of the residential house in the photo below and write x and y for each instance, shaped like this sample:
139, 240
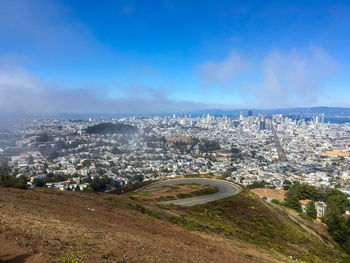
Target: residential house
304, 204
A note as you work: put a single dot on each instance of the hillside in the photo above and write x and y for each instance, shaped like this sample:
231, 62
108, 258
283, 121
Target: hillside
49, 226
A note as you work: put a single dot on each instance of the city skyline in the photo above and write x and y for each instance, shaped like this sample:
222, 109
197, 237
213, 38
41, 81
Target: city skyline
133, 57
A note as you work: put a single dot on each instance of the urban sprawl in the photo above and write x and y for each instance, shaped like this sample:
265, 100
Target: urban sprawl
277, 150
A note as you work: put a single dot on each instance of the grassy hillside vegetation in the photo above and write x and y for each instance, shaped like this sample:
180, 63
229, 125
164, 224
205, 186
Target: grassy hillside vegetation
180, 191
248, 218
45, 225
205, 191
209, 146
101, 227
12, 181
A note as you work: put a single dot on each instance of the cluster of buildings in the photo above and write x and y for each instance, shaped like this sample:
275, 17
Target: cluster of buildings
317, 153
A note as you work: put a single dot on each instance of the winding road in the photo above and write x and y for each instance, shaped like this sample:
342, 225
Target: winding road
226, 189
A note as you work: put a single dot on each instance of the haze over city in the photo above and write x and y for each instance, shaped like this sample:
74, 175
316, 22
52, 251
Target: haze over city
166, 56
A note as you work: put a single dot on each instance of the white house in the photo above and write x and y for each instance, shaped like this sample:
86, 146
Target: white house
320, 208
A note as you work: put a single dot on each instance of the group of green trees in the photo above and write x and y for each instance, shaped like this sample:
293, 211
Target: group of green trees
11, 181
209, 146
100, 184
337, 203
4, 168
257, 184
41, 182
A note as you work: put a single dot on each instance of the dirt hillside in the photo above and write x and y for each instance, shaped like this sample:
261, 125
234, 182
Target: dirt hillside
41, 225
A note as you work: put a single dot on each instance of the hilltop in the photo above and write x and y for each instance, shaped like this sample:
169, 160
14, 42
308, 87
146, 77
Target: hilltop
50, 225
105, 128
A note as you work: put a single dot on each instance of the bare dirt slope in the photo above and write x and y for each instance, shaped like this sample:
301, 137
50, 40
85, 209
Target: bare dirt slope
10, 252
274, 193
42, 225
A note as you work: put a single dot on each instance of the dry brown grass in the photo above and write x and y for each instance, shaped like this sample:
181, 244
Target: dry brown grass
153, 195
47, 223
171, 139
275, 193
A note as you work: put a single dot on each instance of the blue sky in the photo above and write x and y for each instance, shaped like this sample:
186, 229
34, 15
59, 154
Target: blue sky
163, 56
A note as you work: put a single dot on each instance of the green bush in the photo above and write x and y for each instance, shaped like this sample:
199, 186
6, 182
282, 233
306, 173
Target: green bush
165, 198
275, 201
206, 191
311, 210
11, 181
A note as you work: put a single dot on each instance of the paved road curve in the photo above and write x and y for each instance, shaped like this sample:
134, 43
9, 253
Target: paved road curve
226, 189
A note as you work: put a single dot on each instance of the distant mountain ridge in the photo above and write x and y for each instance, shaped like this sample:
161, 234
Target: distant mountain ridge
307, 112
303, 111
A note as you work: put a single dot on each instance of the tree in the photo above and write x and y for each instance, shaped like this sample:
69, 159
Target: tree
305, 191
44, 138
11, 181
100, 184
339, 198
235, 150
287, 184
30, 159
38, 182
209, 146
292, 190
4, 168
311, 210
7, 180
257, 184
338, 226
293, 202
227, 173
138, 177
53, 155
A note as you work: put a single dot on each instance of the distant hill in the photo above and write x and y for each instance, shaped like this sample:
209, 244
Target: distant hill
110, 128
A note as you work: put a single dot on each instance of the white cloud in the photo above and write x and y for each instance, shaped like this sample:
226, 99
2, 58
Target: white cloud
280, 79
222, 73
22, 92
295, 78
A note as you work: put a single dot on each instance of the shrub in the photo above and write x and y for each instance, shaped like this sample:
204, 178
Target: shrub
11, 181
275, 201
72, 256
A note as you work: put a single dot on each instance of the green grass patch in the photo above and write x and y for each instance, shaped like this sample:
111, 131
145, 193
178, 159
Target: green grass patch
206, 191
165, 198
136, 207
250, 219
130, 188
